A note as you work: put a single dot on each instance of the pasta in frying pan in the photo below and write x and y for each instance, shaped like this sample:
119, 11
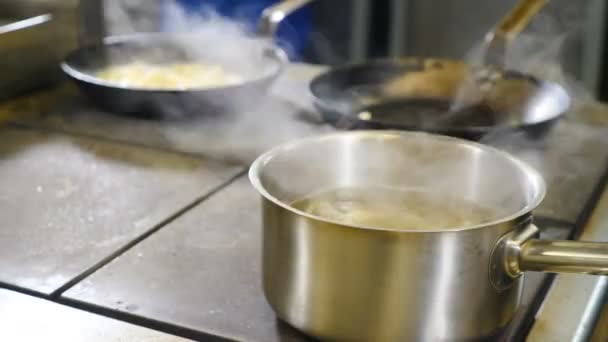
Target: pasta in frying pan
169, 76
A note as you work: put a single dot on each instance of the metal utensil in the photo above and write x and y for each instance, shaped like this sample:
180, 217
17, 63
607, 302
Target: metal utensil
340, 281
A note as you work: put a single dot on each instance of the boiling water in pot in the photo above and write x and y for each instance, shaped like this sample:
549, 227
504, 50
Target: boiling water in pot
382, 207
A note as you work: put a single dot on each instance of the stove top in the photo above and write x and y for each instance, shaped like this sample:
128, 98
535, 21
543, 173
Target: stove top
573, 158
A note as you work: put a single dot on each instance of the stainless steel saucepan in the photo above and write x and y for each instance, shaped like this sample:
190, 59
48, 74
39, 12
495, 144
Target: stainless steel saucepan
341, 281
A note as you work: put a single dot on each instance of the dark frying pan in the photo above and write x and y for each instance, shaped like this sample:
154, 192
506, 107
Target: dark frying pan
258, 65
427, 94
443, 96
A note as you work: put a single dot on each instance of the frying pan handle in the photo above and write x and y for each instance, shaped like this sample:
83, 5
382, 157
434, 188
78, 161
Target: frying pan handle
520, 251
508, 28
274, 15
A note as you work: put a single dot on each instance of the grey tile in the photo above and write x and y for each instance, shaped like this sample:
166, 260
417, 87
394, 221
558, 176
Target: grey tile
69, 202
201, 272
572, 158
26, 318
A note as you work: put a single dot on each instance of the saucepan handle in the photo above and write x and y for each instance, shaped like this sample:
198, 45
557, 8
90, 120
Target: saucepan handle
521, 252
274, 15
564, 256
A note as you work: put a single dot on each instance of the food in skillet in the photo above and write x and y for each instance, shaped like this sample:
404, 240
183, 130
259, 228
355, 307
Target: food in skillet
169, 76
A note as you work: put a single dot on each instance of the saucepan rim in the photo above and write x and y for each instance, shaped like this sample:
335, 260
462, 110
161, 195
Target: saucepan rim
536, 179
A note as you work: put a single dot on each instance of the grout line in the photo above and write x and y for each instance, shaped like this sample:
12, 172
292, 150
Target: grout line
125, 317
78, 278
164, 327
23, 290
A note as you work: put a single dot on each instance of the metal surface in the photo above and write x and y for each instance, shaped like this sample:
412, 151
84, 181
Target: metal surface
71, 202
564, 256
324, 290
26, 318
360, 27
92, 22
458, 27
398, 31
258, 64
239, 137
585, 297
274, 15
33, 40
593, 44
201, 272
520, 251
535, 287
262, 64
211, 279
318, 273
438, 96
572, 156
571, 159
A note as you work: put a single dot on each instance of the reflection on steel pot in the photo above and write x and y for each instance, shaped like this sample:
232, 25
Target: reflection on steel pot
344, 278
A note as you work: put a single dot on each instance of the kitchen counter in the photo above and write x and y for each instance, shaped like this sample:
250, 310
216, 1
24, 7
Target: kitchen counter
154, 223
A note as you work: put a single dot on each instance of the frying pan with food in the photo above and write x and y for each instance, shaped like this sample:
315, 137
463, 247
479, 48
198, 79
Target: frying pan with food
437, 96
260, 62
444, 96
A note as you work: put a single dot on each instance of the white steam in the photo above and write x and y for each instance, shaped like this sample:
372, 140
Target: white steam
255, 121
